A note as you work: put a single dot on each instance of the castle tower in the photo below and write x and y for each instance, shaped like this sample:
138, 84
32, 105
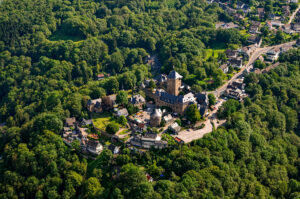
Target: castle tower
155, 118
174, 83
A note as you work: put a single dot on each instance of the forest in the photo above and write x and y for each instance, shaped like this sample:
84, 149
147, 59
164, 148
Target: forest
50, 54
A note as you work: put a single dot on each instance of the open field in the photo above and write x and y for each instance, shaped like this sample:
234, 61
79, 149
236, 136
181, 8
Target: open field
101, 120
212, 52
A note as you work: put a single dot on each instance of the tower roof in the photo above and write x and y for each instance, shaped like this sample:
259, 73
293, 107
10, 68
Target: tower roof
174, 75
156, 113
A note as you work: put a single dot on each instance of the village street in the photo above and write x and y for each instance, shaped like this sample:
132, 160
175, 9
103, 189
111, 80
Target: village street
189, 135
293, 15
258, 52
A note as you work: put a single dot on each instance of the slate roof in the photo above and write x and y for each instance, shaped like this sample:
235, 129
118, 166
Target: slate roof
237, 62
161, 78
97, 102
223, 67
231, 53
123, 112
174, 75
156, 113
150, 136
137, 99
70, 121
254, 39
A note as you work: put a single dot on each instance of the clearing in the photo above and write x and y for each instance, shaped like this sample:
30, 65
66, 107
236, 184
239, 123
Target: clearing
101, 120
60, 35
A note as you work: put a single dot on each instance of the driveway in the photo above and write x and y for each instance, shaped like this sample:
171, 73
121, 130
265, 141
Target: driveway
190, 134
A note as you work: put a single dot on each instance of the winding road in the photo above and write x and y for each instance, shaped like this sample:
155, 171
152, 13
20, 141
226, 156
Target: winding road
293, 15
258, 52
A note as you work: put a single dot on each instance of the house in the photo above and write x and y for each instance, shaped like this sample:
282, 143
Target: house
296, 27
269, 25
70, 122
141, 127
248, 50
79, 134
149, 178
175, 128
235, 94
238, 17
287, 28
254, 28
240, 5
94, 147
100, 76
230, 11
66, 129
202, 101
121, 112
273, 55
231, 53
226, 25
109, 101
276, 23
256, 40
261, 12
237, 84
298, 42
178, 140
85, 122
224, 68
137, 101
246, 9
168, 118
114, 149
236, 62
95, 105
286, 11
148, 141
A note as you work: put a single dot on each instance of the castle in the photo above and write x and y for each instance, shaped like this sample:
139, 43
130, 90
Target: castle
171, 98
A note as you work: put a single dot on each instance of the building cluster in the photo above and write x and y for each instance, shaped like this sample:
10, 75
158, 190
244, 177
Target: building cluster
236, 90
274, 20
89, 143
148, 141
171, 93
78, 131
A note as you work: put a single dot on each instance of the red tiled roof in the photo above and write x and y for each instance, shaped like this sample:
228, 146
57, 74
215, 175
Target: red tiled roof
141, 125
177, 139
100, 75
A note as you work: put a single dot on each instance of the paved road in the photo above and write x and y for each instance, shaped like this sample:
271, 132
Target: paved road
189, 135
293, 15
258, 52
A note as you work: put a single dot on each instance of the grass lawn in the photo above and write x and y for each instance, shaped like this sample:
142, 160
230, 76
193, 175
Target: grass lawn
101, 120
59, 35
125, 138
125, 131
211, 52
129, 93
244, 33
